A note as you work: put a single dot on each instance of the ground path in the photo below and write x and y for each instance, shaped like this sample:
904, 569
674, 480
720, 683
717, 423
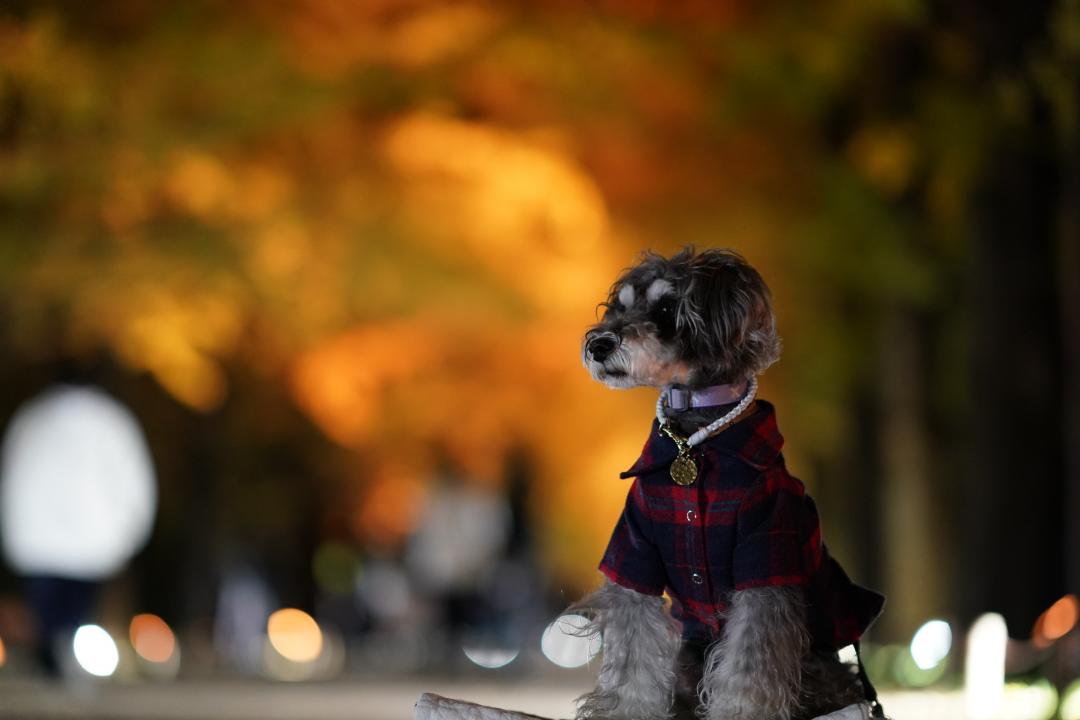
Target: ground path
22, 699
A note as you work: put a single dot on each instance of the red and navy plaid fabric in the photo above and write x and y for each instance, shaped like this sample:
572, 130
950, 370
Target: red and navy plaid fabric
746, 522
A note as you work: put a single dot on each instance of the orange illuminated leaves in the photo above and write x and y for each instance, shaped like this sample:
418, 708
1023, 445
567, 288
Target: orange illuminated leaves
175, 343
474, 393
523, 211
885, 156
199, 183
220, 190
407, 203
341, 383
390, 504
178, 333
332, 37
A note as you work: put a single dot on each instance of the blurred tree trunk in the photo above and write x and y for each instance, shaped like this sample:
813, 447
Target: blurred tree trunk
1069, 282
1011, 517
1015, 486
914, 558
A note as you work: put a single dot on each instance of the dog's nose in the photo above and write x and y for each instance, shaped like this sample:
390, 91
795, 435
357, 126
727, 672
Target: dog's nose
600, 347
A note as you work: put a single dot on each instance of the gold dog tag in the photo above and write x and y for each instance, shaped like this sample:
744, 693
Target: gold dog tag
683, 467
683, 470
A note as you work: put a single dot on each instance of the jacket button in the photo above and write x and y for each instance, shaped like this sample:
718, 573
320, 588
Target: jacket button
696, 578
691, 516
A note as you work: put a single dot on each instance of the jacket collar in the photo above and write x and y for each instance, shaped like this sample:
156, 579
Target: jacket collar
755, 440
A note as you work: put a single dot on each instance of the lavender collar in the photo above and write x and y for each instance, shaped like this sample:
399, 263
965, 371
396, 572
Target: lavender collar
679, 399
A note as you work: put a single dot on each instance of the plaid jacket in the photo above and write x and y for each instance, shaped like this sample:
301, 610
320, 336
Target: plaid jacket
744, 523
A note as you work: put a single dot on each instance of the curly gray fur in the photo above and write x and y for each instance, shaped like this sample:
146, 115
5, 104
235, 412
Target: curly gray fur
754, 671
641, 641
828, 685
704, 317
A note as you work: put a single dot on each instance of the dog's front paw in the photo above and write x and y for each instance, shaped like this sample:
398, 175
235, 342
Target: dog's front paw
596, 705
748, 704
608, 705
729, 710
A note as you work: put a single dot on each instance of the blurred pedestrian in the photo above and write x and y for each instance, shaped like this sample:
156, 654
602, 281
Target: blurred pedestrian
461, 538
77, 501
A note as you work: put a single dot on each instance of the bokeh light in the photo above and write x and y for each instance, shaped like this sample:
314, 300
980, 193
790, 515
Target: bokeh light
295, 635
1070, 702
984, 677
152, 638
335, 567
565, 643
1058, 620
95, 650
490, 658
893, 663
329, 662
1028, 701
931, 644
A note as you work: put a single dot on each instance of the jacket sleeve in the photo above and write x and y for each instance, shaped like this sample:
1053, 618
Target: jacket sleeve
632, 558
778, 536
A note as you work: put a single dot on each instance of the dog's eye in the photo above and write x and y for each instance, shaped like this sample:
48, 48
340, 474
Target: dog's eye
665, 306
663, 314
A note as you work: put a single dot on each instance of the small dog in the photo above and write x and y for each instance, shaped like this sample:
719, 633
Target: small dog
713, 519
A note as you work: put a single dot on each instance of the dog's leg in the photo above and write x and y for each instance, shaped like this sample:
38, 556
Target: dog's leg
754, 671
641, 642
828, 684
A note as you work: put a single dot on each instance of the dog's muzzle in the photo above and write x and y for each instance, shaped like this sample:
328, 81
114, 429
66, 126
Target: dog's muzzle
601, 345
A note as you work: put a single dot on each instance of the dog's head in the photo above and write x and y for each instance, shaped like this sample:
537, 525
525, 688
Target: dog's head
698, 318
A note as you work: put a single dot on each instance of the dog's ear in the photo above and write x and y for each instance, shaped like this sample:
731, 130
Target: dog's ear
729, 316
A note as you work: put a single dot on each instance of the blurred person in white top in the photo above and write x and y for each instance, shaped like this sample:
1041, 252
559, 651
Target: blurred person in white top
77, 501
